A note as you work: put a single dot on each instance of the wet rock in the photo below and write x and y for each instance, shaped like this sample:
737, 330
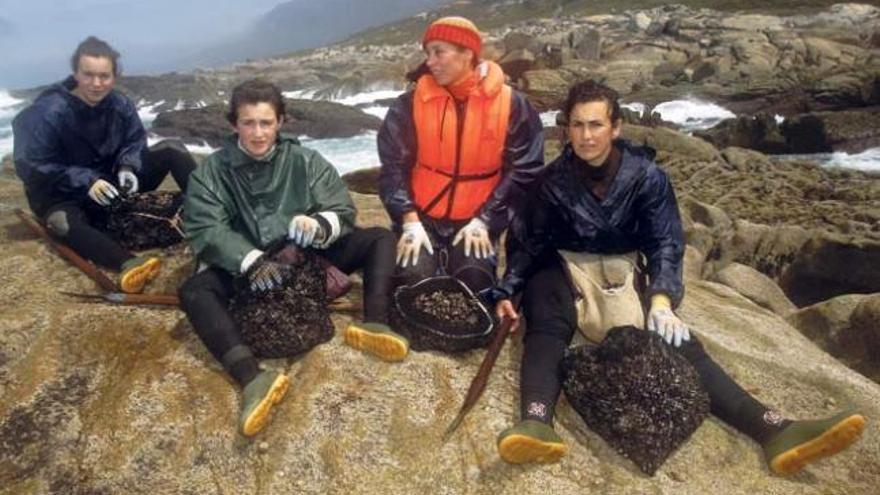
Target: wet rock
831, 265
755, 286
760, 132
317, 119
638, 394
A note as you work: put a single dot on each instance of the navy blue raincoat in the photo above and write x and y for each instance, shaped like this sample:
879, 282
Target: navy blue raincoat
639, 213
62, 145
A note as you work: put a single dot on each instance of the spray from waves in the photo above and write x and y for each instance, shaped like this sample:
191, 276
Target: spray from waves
868, 160
693, 114
9, 106
347, 154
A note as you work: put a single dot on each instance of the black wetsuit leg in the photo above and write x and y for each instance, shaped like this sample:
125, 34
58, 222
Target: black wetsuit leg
548, 306
373, 251
204, 298
72, 223
168, 156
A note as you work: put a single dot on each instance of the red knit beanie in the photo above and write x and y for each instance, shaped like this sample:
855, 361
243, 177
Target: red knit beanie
456, 30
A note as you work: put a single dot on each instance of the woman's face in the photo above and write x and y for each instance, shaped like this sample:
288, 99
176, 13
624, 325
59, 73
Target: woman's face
591, 131
448, 63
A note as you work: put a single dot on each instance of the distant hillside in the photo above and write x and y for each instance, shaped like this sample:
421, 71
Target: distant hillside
490, 14
302, 24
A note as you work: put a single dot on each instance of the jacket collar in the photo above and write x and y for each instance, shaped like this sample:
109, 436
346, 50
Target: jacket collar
239, 157
633, 164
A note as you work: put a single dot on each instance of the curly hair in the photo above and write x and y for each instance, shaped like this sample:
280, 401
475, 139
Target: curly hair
255, 91
590, 90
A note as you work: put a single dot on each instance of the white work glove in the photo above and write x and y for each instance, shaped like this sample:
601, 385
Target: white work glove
411, 242
103, 192
476, 239
128, 181
304, 231
662, 320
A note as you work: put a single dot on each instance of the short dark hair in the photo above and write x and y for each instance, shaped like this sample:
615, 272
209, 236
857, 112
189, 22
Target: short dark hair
255, 91
587, 91
95, 47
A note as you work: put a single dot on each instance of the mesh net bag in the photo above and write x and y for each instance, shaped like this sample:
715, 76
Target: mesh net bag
290, 319
637, 393
441, 313
146, 220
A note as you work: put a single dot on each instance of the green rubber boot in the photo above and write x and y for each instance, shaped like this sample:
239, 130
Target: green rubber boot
257, 399
137, 272
803, 442
530, 441
377, 339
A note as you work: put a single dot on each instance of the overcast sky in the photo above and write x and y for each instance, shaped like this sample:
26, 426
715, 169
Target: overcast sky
150, 34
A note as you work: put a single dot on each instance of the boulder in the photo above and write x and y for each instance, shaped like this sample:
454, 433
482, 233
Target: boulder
364, 181
317, 119
864, 321
828, 324
755, 286
849, 130
516, 62
671, 141
829, 265
586, 44
759, 132
547, 88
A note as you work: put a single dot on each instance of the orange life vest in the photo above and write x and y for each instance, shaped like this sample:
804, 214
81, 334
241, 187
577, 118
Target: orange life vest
452, 180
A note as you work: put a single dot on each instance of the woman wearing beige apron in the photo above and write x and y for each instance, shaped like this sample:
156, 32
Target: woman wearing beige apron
574, 252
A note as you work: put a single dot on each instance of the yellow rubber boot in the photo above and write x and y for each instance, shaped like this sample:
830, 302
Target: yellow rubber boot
803, 442
259, 395
530, 441
137, 273
377, 339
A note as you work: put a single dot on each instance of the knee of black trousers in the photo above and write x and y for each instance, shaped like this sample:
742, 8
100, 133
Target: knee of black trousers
169, 146
195, 289
692, 349
58, 223
548, 300
380, 239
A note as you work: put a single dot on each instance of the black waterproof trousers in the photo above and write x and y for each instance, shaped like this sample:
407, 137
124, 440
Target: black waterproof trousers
205, 296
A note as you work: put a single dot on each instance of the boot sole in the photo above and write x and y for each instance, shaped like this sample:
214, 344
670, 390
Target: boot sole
383, 346
260, 417
137, 278
521, 449
835, 439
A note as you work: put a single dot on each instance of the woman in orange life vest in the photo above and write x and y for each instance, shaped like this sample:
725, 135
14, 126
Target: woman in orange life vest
457, 153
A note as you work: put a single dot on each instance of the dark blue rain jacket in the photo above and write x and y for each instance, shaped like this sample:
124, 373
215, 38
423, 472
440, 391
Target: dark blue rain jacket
639, 213
62, 145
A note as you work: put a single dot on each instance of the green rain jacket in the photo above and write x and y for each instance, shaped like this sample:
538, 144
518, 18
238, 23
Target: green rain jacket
236, 203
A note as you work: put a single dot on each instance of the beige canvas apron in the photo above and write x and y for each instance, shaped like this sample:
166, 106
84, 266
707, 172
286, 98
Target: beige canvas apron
606, 294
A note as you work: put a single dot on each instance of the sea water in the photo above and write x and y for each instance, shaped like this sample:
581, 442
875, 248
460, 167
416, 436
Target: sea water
348, 154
